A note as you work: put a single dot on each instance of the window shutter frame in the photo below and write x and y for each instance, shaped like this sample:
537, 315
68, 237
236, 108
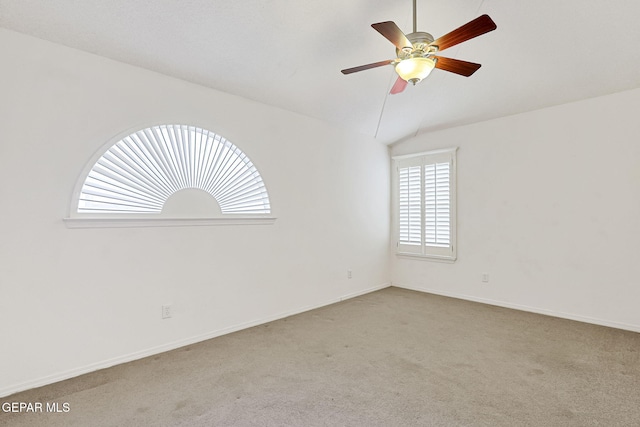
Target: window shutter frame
131, 177
437, 205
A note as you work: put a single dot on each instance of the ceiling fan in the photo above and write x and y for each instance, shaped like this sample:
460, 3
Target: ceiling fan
416, 52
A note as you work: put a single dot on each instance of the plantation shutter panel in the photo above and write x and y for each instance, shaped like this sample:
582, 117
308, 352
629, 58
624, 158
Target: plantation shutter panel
437, 198
410, 202
426, 211
139, 173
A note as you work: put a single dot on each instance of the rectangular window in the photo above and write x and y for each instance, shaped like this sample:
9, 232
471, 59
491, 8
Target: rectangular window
425, 210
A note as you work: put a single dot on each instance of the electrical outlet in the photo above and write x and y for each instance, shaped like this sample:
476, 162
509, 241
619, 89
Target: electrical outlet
166, 311
485, 277
348, 274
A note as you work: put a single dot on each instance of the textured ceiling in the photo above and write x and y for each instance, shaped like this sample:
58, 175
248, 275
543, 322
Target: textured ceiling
289, 53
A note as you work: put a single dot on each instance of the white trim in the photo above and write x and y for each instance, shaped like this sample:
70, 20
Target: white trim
50, 379
446, 259
543, 311
426, 153
163, 222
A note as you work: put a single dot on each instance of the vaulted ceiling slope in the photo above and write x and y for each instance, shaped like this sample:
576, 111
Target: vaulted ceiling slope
289, 53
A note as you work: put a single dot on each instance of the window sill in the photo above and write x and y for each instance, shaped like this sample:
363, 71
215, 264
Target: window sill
163, 222
436, 258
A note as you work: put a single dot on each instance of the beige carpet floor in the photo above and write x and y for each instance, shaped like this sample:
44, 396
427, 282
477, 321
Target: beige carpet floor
390, 358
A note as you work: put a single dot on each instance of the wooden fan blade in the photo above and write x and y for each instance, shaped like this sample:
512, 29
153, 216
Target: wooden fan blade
479, 26
392, 33
398, 86
366, 67
457, 66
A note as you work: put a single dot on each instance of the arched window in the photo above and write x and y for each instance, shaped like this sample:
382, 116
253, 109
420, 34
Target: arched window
138, 174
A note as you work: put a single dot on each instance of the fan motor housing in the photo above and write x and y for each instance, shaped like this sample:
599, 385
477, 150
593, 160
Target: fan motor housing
420, 41
420, 37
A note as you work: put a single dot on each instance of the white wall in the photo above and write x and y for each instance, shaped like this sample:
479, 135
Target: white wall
73, 300
549, 206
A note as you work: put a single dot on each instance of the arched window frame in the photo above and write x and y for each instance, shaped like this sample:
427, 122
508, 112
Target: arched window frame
76, 219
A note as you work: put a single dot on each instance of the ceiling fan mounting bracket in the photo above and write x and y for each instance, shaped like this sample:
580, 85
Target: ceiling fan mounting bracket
420, 37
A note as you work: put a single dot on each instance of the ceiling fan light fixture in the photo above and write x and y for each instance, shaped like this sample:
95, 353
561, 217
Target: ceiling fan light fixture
415, 69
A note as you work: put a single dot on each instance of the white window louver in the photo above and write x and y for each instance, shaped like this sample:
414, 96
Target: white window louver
436, 204
410, 201
141, 171
426, 204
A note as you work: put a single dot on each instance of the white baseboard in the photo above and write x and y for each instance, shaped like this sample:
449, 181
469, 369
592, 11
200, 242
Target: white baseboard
577, 317
61, 376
